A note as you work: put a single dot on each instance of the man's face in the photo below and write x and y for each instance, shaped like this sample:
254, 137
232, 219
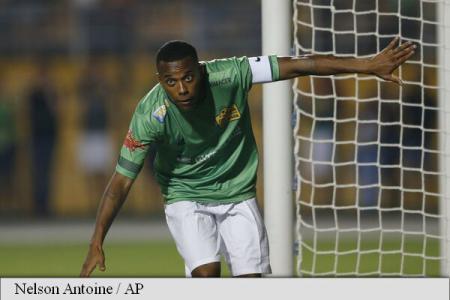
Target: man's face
181, 79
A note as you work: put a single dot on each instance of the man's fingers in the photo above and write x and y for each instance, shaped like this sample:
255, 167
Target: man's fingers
391, 45
403, 47
394, 79
404, 52
101, 264
87, 270
404, 58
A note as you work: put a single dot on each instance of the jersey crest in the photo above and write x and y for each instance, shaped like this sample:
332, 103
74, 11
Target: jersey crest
131, 143
228, 114
160, 113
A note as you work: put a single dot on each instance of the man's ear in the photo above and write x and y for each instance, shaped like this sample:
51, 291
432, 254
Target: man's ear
158, 76
202, 68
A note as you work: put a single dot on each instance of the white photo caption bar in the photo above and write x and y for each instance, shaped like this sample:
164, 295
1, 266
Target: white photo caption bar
70, 288
223, 288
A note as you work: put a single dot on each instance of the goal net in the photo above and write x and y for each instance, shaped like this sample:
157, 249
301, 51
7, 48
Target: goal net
372, 158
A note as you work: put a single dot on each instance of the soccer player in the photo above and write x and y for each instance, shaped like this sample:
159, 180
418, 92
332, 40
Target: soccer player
199, 120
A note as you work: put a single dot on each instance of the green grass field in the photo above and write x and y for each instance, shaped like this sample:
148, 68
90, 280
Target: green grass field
161, 259
392, 262
157, 259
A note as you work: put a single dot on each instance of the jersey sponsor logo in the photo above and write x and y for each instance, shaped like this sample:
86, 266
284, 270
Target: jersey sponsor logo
205, 157
258, 59
228, 114
222, 81
220, 78
184, 160
209, 155
160, 113
198, 159
131, 143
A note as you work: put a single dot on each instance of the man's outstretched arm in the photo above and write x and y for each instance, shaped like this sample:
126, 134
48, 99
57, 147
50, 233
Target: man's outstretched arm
381, 65
115, 194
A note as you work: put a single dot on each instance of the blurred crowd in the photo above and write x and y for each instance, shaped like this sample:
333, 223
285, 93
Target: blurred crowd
71, 73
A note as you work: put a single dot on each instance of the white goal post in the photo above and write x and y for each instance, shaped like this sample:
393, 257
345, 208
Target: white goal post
373, 158
277, 141
444, 104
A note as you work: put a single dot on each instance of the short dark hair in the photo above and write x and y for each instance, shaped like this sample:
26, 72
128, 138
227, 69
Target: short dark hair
175, 50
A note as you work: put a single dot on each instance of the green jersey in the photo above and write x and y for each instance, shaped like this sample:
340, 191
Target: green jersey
207, 154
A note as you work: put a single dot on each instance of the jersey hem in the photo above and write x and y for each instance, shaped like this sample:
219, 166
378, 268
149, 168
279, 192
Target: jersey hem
236, 199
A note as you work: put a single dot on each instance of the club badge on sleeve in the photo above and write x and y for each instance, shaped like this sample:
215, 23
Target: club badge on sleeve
131, 143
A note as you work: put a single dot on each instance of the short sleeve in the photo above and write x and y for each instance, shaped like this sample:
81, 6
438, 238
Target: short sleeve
141, 134
273, 60
264, 69
244, 72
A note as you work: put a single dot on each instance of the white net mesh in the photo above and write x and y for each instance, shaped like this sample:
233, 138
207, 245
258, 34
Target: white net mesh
368, 164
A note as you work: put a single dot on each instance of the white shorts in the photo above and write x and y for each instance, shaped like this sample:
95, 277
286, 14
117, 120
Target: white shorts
204, 232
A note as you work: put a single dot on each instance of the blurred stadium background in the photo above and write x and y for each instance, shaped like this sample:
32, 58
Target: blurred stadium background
71, 73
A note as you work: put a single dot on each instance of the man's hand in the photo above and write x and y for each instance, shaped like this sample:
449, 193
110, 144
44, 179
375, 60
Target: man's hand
95, 257
112, 200
381, 65
384, 63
